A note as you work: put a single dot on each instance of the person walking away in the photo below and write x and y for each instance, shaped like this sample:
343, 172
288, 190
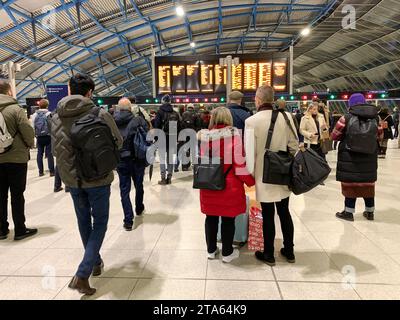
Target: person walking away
40, 122
91, 197
396, 121
239, 112
224, 141
15, 128
311, 127
129, 169
386, 122
138, 111
335, 118
168, 120
270, 195
357, 156
190, 120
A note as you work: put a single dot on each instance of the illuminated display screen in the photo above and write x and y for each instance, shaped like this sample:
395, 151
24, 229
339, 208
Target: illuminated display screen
237, 77
192, 78
207, 78
164, 79
250, 76
264, 73
280, 75
220, 79
178, 79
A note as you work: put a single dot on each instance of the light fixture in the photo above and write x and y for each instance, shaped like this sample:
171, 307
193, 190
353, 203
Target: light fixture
305, 32
192, 44
179, 11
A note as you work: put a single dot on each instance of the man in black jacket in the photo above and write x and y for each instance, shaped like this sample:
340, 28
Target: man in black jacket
168, 120
239, 113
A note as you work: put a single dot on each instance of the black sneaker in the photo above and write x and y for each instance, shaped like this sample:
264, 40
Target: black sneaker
269, 260
369, 215
290, 257
169, 180
128, 226
41, 174
58, 189
52, 174
176, 170
348, 216
4, 235
163, 182
140, 212
97, 270
28, 233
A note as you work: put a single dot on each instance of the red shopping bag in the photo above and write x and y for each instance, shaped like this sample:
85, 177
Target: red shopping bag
256, 238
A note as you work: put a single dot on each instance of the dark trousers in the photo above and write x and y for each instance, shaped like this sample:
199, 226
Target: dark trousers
350, 204
396, 130
91, 203
129, 171
13, 179
227, 234
57, 179
268, 212
317, 148
44, 147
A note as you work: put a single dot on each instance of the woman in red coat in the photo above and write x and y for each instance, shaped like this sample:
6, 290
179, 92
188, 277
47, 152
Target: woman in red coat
224, 141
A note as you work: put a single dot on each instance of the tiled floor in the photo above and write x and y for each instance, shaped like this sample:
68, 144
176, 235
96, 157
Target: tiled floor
164, 257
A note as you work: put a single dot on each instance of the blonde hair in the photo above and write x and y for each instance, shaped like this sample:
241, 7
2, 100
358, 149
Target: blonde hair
221, 115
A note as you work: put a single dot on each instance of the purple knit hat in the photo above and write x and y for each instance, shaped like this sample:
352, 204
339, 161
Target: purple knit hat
356, 98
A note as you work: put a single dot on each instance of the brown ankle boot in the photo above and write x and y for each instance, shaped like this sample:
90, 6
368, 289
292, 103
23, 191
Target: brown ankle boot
82, 285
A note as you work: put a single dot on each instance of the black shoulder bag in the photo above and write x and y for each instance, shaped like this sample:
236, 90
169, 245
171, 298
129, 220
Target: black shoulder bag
277, 165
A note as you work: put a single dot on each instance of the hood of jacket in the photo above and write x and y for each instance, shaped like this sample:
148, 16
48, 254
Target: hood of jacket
73, 106
166, 108
217, 133
6, 101
364, 111
123, 117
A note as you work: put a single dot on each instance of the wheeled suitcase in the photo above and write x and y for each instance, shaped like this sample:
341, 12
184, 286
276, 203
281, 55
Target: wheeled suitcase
241, 227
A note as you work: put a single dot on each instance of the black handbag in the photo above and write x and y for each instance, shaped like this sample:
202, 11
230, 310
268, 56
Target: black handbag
277, 165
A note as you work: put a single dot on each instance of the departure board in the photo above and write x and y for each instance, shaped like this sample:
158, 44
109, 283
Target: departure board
280, 75
250, 76
178, 79
237, 77
264, 73
207, 78
164, 79
192, 78
220, 79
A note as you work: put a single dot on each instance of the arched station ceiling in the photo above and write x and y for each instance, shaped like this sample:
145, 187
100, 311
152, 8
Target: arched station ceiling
112, 40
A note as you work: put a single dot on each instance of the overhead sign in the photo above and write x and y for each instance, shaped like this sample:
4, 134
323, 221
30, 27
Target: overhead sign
55, 92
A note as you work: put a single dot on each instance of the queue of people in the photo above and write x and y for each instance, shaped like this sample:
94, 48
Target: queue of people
233, 135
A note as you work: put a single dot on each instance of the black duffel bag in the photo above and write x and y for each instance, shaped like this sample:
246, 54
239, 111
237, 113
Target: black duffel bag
308, 171
277, 165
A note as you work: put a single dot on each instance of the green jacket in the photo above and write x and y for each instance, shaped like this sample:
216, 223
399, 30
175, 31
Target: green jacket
19, 127
69, 110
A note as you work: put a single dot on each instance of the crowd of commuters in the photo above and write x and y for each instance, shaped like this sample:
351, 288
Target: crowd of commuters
232, 134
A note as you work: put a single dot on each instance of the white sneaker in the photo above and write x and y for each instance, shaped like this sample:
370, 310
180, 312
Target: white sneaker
211, 256
235, 254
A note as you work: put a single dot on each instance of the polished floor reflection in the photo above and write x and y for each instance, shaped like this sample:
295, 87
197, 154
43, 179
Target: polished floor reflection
165, 258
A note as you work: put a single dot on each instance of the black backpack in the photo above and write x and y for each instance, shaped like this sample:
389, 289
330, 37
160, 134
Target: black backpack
189, 120
168, 118
308, 171
361, 134
95, 148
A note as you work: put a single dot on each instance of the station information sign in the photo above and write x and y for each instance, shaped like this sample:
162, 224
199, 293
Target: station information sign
192, 78
164, 79
207, 78
204, 75
178, 78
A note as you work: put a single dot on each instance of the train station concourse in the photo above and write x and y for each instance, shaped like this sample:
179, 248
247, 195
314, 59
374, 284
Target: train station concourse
186, 153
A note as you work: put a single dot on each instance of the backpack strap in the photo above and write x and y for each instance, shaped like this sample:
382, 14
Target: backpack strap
95, 111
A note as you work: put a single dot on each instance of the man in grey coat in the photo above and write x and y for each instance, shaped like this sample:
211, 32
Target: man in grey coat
91, 199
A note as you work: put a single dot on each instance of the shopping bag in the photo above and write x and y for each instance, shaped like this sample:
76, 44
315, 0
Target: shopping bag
256, 238
241, 226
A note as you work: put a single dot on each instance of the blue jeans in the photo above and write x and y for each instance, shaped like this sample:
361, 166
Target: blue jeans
44, 147
91, 202
129, 171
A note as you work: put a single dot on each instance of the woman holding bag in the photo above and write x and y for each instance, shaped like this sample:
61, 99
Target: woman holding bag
224, 142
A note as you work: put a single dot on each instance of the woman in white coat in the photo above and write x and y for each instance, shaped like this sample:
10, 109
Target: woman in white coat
256, 131
314, 129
